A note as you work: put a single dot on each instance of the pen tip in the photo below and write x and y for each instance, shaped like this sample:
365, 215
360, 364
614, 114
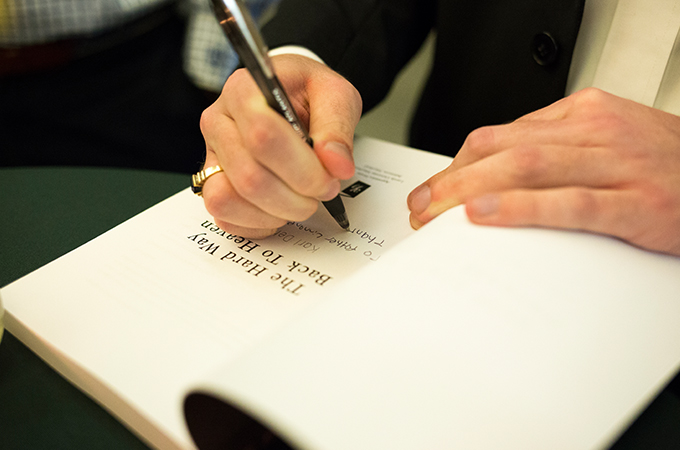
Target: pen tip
343, 221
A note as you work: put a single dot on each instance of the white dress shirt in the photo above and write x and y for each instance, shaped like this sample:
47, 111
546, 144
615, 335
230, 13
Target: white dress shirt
630, 48
208, 58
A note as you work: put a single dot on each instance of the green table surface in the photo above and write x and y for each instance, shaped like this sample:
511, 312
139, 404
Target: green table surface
46, 212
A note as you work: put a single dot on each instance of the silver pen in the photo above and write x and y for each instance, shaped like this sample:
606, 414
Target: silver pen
248, 43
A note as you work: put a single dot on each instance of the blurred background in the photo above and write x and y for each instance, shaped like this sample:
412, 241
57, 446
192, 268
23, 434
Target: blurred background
390, 120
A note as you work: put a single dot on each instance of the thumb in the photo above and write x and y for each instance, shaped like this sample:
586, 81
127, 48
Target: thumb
336, 157
335, 109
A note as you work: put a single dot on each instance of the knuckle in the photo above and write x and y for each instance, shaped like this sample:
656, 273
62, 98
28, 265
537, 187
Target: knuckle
310, 185
342, 85
528, 209
356, 96
591, 96
529, 164
250, 181
207, 119
449, 183
260, 138
216, 203
479, 141
585, 207
346, 103
247, 231
605, 121
660, 201
304, 211
237, 77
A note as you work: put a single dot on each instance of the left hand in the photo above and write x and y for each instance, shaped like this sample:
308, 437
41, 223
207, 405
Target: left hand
591, 161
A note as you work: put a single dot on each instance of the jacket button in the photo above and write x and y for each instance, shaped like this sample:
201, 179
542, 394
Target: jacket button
544, 49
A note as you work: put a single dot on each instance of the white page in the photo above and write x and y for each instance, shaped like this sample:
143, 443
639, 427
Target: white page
476, 338
137, 314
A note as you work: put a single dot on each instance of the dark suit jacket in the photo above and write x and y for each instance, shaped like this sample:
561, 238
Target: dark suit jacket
495, 60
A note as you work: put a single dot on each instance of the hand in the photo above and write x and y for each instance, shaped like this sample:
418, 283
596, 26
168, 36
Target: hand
591, 161
271, 176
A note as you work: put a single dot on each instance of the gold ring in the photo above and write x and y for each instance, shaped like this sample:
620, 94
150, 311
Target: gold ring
198, 179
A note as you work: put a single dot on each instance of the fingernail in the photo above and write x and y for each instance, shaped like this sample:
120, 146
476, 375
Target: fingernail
484, 206
338, 149
420, 199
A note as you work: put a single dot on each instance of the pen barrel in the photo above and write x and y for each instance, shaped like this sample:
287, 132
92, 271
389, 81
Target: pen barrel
246, 39
278, 100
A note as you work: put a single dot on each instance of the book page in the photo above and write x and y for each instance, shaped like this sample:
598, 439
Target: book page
142, 311
467, 337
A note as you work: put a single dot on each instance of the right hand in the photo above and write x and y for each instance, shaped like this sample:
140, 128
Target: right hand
271, 176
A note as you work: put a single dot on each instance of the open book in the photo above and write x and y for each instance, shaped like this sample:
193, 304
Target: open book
455, 336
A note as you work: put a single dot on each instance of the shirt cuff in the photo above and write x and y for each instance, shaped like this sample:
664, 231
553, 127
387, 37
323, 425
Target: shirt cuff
295, 50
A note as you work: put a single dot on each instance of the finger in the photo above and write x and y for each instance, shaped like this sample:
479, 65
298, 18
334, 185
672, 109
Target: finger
567, 132
518, 168
246, 232
227, 206
487, 141
538, 126
330, 104
603, 211
336, 157
231, 211
335, 112
572, 120
256, 185
272, 143
239, 94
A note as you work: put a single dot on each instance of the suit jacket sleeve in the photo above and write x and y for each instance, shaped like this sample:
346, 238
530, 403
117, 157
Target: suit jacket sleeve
367, 41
